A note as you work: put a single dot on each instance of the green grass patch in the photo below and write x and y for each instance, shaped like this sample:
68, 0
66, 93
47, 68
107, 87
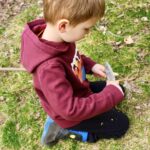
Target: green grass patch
23, 118
10, 136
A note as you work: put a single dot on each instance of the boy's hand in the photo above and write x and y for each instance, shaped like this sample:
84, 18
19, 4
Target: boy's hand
99, 70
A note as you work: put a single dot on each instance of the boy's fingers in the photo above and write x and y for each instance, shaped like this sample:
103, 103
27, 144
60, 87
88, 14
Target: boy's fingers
103, 68
101, 74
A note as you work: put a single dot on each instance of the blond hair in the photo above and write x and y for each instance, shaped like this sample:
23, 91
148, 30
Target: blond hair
76, 11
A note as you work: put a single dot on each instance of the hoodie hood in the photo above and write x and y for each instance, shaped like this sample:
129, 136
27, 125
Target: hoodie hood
34, 50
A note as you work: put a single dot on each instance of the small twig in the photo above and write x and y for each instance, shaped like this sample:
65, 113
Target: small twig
115, 35
129, 78
12, 69
108, 32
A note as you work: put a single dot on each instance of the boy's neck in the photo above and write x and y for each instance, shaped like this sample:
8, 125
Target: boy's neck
50, 34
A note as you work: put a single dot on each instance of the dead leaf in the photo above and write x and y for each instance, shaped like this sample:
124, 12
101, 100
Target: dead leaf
117, 45
3, 118
2, 98
29, 131
37, 115
18, 127
138, 107
119, 32
145, 19
136, 20
129, 40
102, 29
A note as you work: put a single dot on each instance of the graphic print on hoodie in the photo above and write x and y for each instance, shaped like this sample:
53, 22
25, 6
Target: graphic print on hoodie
67, 99
78, 67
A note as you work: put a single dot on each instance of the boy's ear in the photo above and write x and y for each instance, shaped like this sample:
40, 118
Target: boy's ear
62, 25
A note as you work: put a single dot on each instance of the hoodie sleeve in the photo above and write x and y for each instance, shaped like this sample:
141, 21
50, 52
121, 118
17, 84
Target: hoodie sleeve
59, 94
88, 63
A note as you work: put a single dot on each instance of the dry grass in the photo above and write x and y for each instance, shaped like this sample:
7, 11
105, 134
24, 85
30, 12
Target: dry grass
21, 116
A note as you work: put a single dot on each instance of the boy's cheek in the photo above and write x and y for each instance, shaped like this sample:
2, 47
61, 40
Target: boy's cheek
78, 37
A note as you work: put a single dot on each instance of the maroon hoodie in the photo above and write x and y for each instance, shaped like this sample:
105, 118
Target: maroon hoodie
59, 79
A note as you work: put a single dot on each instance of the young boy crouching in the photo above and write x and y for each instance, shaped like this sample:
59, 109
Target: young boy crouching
74, 104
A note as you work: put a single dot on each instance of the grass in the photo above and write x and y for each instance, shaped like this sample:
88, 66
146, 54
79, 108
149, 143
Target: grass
21, 116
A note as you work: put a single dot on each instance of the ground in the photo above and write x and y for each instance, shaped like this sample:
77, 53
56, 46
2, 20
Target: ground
122, 38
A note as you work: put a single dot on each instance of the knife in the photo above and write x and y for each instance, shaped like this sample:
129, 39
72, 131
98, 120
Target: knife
109, 72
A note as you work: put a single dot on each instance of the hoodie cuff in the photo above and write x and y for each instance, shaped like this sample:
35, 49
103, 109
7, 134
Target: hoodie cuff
88, 64
118, 86
116, 90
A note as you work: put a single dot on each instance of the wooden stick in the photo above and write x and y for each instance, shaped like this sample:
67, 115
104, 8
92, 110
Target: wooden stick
12, 69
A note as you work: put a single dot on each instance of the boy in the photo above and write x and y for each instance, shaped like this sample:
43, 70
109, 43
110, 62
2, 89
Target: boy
50, 54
